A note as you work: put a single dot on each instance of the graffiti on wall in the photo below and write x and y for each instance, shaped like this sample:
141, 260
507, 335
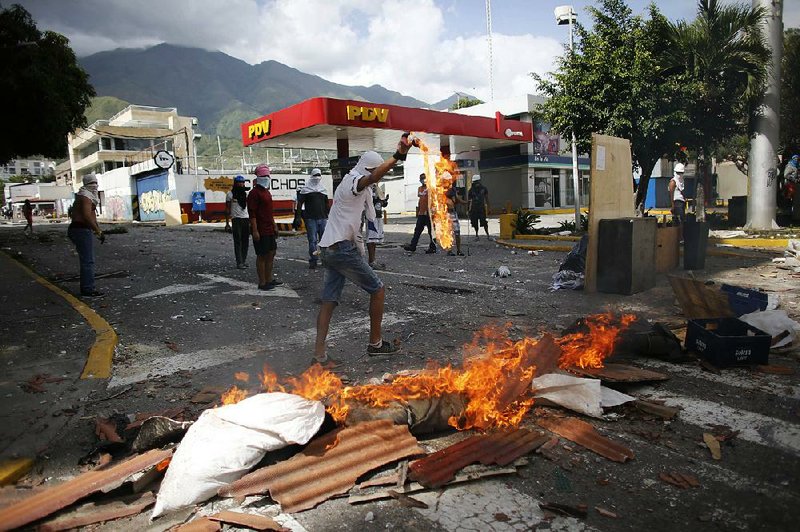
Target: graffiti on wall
154, 201
118, 208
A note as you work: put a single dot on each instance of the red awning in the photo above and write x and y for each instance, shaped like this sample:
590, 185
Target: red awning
321, 122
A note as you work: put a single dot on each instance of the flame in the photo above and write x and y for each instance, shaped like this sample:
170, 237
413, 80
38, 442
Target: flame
589, 349
232, 396
494, 380
439, 178
163, 464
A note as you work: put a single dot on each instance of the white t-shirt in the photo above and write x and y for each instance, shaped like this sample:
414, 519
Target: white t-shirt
677, 194
236, 210
344, 220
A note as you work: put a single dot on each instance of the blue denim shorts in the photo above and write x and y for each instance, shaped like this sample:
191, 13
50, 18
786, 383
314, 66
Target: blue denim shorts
343, 261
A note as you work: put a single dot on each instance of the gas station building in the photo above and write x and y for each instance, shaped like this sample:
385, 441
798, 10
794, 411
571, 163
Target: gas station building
521, 166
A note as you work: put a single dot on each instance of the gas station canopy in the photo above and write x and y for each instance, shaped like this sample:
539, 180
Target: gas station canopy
349, 125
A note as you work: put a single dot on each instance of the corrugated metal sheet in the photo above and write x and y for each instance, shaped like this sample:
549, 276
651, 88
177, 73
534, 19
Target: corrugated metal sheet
620, 373
48, 501
329, 465
500, 448
585, 435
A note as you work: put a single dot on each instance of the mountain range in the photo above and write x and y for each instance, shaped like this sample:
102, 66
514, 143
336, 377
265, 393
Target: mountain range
220, 90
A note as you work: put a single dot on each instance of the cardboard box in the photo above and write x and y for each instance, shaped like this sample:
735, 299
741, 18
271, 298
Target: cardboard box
728, 342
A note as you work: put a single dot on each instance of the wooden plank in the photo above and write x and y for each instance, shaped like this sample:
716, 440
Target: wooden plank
610, 194
698, 301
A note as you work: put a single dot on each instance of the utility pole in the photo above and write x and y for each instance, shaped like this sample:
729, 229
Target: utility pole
763, 165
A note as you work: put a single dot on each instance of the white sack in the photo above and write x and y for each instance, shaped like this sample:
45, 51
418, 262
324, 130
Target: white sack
774, 322
226, 442
585, 396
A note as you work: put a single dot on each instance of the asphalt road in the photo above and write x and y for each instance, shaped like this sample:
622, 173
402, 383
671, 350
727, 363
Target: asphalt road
187, 320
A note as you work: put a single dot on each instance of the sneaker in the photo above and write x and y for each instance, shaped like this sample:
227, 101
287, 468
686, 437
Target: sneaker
266, 286
460, 254
386, 348
273, 283
409, 248
240, 266
430, 251
92, 293
451, 254
312, 265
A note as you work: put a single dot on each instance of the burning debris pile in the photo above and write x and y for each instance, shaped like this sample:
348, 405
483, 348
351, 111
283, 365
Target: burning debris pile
491, 393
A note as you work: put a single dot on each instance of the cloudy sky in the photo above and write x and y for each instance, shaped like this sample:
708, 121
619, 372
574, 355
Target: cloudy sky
427, 49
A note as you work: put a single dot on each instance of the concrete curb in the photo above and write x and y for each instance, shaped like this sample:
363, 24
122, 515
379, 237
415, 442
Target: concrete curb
101, 354
14, 469
531, 247
560, 238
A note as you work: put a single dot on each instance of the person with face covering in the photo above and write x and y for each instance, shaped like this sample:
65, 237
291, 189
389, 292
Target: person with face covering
83, 224
478, 199
236, 208
263, 228
341, 256
676, 186
423, 219
312, 206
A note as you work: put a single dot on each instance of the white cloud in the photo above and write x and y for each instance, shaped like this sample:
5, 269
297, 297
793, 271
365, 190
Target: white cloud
400, 45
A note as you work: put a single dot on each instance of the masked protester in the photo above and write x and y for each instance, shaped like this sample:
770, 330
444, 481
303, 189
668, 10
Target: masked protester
423, 219
236, 208
478, 199
263, 228
83, 224
676, 186
312, 207
341, 256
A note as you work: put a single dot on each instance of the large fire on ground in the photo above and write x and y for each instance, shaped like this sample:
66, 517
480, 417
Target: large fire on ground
439, 178
494, 380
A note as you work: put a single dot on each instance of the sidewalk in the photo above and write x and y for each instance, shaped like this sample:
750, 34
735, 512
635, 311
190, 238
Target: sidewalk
42, 352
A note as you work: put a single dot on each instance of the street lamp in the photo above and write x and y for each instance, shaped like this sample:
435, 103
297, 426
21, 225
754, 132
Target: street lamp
566, 15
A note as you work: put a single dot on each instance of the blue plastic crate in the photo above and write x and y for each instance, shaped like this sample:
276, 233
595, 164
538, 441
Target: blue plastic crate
743, 300
728, 342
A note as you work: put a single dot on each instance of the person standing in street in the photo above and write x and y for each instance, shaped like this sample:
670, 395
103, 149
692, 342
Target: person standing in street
83, 224
312, 206
263, 228
341, 256
454, 199
236, 209
676, 186
423, 219
375, 233
478, 205
27, 211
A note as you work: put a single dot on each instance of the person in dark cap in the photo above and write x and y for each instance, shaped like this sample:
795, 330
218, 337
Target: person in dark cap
236, 209
478, 205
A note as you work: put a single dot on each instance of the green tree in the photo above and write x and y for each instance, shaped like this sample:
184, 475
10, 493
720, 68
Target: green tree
45, 91
613, 84
790, 94
465, 101
723, 58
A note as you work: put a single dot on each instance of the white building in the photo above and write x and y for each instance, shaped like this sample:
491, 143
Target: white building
35, 168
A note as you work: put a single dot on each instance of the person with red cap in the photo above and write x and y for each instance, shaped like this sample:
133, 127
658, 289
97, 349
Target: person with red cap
263, 228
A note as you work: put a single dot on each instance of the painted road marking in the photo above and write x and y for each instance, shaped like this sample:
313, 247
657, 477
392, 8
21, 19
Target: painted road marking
752, 427
473, 506
213, 280
161, 366
734, 377
14, 469
427, 278
101, 353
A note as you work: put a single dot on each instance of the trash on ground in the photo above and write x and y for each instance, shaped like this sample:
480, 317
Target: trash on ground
500, 448
585, 435
585, 396
680, 480
158, 431
502, 272
405, 500
775, 323
728, 342
613, 372
36, 383
225, 442
662, 411
570, 274
251, 521
580, 511
698, 300
99, 512
605, 513
328, 466
713, 445
51, 500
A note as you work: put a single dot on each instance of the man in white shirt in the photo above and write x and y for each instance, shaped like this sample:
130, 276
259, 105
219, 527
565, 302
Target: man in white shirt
340, 253
676, 185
